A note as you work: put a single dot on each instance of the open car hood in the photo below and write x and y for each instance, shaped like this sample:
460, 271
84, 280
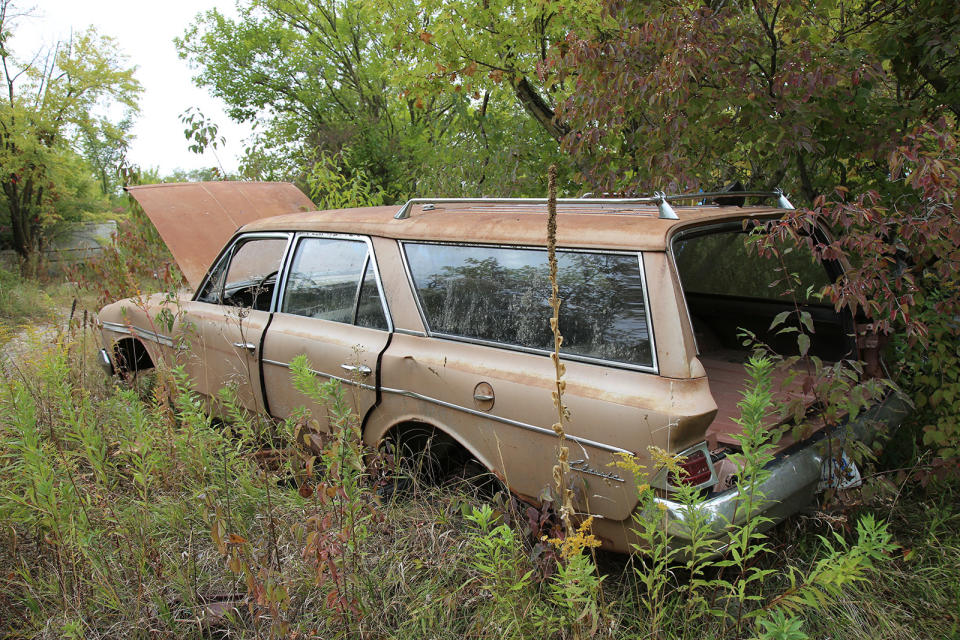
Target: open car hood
195, 219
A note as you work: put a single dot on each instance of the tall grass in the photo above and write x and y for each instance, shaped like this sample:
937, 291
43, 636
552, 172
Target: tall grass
26, 300
133, 515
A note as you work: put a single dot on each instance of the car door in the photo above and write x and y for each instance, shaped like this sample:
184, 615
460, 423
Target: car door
331, 309
224, 325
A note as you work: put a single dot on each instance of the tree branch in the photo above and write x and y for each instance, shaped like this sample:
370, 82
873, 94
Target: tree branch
534, 104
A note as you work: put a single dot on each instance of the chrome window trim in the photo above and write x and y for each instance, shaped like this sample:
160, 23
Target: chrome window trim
284, 259
356, 294
371, 258
652, 368
654, 361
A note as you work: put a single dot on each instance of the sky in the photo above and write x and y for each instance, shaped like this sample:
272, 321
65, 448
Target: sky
144, 33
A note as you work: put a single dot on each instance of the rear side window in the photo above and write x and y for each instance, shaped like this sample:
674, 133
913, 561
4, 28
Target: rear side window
334, 279
502, 295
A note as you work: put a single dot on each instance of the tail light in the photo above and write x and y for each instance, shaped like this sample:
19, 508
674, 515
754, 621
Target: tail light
697, 469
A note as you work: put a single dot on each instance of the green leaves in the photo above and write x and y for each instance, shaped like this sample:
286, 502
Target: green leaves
790, 93
383, 88
49, 115
803, 343
335, 184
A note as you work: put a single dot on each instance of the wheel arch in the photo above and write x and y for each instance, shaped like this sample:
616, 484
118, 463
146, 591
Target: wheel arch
131, 356
413, 422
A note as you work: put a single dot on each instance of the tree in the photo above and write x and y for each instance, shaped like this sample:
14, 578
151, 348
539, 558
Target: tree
319, 74
313, 72
104, 148
679, 94
480, 47
51, 103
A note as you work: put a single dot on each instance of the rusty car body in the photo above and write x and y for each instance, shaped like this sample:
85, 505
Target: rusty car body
437, 317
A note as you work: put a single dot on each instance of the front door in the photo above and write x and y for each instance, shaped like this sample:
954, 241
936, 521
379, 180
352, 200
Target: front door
227, 320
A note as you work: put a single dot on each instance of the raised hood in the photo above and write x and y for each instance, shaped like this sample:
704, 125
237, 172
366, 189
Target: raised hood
195, 219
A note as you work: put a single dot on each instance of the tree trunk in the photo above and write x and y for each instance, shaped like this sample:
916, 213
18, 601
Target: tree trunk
25, 229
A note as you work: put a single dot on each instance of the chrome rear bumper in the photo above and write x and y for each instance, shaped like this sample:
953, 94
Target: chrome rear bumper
793, 478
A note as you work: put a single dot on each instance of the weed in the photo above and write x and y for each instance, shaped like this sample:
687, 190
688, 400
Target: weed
127, 515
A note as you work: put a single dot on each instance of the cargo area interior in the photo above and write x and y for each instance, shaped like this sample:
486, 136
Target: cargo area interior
727, 287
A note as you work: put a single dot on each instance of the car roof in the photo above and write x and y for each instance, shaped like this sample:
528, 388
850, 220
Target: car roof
196, 219
634, 227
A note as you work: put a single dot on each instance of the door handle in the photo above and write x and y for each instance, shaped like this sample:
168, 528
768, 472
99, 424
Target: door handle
362, 369
483, 397
249, 346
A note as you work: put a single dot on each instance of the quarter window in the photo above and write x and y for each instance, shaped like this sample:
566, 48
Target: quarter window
334, 279
502, 295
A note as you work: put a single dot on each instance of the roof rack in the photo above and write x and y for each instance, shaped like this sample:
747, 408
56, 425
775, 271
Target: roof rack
658, 198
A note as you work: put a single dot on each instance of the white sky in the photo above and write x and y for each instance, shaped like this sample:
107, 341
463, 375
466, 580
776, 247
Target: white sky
144, 32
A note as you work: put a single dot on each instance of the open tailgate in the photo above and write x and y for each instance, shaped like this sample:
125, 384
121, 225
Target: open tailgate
195, 219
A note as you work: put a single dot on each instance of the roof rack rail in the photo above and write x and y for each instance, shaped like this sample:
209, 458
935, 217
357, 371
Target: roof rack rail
658, 198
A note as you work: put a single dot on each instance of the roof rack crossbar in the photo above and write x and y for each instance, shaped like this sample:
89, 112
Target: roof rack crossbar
660, 199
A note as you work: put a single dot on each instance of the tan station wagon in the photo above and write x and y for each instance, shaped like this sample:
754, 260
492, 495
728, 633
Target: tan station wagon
437, 315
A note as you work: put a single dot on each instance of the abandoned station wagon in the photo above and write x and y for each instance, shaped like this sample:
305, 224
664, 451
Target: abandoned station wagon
437, 315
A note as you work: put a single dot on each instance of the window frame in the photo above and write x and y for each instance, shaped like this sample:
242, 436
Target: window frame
653, 367
371, 259
228, 253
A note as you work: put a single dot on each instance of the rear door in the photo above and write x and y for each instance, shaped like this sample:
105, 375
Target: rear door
331, 309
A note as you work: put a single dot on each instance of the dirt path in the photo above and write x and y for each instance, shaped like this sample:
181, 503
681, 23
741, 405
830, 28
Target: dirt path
25, 337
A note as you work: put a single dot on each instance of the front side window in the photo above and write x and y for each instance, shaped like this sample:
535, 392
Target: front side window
247, 276
502, 295
334, 279
214, 286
